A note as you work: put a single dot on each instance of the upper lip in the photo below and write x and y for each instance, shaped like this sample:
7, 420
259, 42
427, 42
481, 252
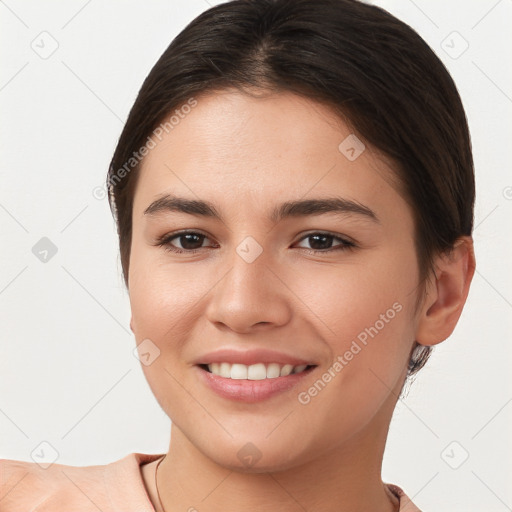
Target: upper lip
249, 357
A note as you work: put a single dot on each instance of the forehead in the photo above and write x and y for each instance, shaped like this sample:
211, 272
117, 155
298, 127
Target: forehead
245, 151
226, 126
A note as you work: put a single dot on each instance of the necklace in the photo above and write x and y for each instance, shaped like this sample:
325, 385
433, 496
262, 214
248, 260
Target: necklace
156, 484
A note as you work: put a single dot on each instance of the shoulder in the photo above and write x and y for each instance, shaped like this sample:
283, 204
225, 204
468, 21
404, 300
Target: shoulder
59, 487
26, 485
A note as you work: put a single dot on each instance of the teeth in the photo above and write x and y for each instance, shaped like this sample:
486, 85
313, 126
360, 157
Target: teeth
225, 370
238, 371
255, 371
273, 371
286, 370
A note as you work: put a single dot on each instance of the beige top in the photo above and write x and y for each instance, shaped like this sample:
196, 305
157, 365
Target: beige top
115, 487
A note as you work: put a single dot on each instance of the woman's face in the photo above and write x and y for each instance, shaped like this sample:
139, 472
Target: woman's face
255, 284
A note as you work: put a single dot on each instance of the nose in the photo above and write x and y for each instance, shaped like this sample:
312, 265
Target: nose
252, 295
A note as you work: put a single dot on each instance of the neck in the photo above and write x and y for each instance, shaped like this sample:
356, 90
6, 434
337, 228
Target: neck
345, 479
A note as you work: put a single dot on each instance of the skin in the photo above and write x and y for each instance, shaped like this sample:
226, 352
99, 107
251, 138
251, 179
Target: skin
247, 155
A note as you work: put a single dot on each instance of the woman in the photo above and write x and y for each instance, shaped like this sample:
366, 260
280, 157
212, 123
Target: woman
294, 195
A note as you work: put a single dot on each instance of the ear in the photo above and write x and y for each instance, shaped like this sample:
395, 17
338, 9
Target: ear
446, 293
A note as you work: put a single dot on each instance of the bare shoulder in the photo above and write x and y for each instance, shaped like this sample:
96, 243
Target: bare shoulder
27, 486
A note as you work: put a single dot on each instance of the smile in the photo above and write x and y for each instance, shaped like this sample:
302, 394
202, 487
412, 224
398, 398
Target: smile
258, 371
253, 383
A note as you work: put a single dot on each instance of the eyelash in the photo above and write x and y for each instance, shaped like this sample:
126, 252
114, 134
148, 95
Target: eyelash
165, 241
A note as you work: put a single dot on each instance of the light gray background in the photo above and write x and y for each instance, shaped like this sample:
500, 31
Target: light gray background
68, 376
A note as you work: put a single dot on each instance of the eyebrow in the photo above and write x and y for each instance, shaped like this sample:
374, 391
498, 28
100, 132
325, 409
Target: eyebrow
300, 208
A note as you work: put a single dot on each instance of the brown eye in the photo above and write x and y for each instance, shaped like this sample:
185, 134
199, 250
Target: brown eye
186, 241
189, 241
323, 242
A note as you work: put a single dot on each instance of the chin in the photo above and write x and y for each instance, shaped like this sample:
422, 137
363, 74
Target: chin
250, 460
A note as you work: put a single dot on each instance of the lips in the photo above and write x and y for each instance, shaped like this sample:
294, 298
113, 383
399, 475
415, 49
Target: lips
252, 375
250, 391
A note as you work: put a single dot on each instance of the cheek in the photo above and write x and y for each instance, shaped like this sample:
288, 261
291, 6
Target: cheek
351, 300
161, 293
164, 302
366, 323
365, 317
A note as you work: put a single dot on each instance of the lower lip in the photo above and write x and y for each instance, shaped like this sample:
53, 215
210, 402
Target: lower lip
250, 391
